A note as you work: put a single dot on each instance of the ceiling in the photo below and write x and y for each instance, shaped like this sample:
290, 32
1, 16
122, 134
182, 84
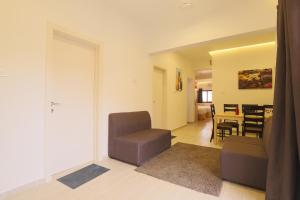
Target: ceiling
167, 13
166, 21
172, 13
199, 53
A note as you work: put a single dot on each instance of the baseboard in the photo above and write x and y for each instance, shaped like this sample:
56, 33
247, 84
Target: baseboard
179, 127
103, 157
21, 188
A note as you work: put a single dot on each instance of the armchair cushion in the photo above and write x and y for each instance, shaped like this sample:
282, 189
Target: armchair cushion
143, 145
244, 163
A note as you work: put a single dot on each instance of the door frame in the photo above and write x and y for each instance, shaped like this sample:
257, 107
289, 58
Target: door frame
191, 108
164, 114
53, 29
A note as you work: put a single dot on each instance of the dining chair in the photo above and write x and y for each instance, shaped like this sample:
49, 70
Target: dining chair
223, 126
248, 106
254, 120
230, 107
233, 123
268, 109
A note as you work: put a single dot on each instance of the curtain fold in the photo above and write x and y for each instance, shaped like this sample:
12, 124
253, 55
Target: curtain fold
283, 180
199, 99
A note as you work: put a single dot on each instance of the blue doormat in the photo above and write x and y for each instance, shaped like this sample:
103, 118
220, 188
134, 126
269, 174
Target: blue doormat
82, 176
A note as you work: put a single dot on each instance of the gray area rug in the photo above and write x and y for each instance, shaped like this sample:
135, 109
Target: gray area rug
82, 176
191, 166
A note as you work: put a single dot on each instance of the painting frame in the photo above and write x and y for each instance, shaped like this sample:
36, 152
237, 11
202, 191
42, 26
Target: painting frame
255, 79
179, 85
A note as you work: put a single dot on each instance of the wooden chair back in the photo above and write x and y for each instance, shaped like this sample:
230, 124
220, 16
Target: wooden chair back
254, 120
213, 111
230, 107
248, 106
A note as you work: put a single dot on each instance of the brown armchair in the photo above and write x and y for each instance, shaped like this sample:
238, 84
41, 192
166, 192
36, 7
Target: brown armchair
244, 160
131, 138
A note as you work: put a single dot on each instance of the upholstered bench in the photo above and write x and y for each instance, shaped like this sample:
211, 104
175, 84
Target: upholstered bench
131, 138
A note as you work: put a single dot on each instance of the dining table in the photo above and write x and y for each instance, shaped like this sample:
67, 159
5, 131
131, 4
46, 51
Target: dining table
232, 116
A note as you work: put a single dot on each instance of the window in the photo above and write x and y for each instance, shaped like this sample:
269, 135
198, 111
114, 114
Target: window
206, 96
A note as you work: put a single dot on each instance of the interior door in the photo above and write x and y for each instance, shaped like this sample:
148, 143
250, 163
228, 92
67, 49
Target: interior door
70, 99
158, 98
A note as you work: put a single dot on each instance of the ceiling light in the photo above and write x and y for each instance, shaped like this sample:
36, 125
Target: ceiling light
205, 71
242, 47
199, 81
186, 3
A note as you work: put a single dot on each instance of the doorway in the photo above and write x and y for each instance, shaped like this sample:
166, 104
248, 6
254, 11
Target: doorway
71, 101
158, 118
191, 100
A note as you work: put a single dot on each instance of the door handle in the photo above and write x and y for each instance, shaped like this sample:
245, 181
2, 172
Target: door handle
52, 104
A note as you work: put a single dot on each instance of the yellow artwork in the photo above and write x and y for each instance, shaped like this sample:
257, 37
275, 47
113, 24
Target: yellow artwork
178, 80
258, 78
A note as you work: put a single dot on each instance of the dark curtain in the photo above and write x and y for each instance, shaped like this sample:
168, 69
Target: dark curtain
283, 181
199, 96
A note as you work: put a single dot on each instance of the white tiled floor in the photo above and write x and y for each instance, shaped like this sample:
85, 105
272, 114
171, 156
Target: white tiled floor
123, 183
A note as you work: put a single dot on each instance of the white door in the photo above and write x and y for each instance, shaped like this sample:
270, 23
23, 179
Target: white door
70, 99
158, 98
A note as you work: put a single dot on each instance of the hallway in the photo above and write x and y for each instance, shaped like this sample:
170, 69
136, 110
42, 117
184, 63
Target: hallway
197, 133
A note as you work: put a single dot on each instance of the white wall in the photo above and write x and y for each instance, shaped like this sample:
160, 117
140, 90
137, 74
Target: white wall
176, 102
225, 68
126, 85
205, 84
